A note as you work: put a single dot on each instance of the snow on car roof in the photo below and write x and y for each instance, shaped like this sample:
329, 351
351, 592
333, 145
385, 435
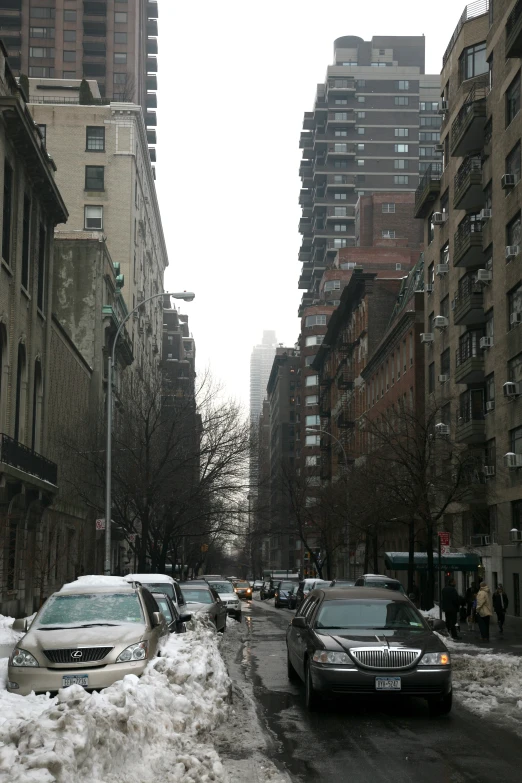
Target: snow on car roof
149, 578
96, 582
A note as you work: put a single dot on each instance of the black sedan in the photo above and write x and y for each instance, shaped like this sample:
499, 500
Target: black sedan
175, 620
202, 598
285, 594
367, 640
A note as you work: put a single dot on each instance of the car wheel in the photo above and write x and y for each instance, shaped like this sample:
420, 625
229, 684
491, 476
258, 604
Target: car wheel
312, 697
292, 674
238, 617
441, 706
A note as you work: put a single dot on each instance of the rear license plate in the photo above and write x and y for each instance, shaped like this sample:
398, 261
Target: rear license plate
387, 683
75, 679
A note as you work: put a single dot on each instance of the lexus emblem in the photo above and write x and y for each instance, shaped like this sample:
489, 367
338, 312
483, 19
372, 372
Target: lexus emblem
76, 654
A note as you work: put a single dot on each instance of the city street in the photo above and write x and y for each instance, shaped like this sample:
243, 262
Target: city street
362, 739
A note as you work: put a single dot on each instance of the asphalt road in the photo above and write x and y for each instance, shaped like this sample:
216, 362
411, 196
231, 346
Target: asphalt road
359, 740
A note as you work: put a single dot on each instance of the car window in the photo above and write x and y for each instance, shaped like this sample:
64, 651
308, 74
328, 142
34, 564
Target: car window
222, 587
310, 606
375, 615
150, 603
179, 595
165, 608
81, 609
242, 584
303, 608
197, 596
160, 587
391, 585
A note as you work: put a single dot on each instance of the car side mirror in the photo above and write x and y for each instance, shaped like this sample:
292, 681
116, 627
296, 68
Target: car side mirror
299, 622
21, 625
437, 624
157, 619
185, 618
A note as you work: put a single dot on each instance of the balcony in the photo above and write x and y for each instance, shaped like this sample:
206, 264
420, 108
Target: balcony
348, 117
152, 28
305, 226
152, 10
152, 46
152, 65
340, 181
306, 140
469, 359
469, 303
305, 255
151, 82
150, 119
20, 461
152, 154
467, 246
151, 136
514, 32
340, 150
332, 213
306, 170
152, 100
428, 190
467, 130
306, 198
309, 120
468, 193
340, 86
471, 425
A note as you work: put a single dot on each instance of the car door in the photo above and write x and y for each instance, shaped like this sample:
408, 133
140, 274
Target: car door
166, 607
157, 631
297, 637
180, 598
219, 610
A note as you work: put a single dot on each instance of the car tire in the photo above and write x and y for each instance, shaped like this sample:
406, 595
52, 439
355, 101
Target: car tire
292, 674
239, 617
441, 706
313, 699
276, 604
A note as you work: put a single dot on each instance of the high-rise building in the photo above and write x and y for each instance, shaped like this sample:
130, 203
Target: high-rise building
374, 127
260, 367
112, 41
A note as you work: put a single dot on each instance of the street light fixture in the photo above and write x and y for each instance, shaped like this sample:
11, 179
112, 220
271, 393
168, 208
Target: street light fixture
347, 521
187, 296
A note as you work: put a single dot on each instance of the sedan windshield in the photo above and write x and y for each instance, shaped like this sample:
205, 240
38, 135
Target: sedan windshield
373, 615
197, 596
222, 587
86, 609
162, 587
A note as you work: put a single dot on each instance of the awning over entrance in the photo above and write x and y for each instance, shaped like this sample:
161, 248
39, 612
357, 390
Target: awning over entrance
452, 561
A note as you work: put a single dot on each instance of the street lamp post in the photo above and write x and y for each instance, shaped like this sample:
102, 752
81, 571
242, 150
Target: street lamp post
188, 297
347, 522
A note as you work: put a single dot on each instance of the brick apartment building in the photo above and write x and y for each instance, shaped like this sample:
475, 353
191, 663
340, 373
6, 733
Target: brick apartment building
473, 272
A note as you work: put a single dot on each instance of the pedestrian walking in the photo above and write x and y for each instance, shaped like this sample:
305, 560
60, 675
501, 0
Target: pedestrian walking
450, 604
484, 610
471, 605
500, 604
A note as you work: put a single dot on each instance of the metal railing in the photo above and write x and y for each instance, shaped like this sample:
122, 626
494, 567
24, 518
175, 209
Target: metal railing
470, 12
468, 411
467, 287
478, 92
25, 459
465, 229
470, 164
432, 174
469, 348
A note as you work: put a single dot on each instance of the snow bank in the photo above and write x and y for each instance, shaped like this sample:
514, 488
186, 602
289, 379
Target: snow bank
137, 731
489, 683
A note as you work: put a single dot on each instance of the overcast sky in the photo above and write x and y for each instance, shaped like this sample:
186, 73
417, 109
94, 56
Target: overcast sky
234, 80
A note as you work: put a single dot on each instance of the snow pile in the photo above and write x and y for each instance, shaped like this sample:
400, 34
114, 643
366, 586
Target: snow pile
95, 580
8, 639
489, 683
136, 731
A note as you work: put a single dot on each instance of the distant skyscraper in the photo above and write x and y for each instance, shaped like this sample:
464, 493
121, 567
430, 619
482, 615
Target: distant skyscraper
260, 367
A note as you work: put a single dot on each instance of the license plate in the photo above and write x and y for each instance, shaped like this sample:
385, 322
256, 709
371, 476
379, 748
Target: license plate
75, 679
387, 683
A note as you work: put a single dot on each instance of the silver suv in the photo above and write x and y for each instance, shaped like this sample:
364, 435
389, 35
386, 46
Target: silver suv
86, 635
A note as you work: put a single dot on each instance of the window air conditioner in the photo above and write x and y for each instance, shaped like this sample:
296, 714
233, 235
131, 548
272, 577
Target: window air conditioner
443, 378
442, 429
439, 218
511, 252
486, 342
440, 322
484, 275
507, 181
442, 269
485, 214
489, 470
515, 536
512, 461
490, 406
515, 318
427, 337
511, 389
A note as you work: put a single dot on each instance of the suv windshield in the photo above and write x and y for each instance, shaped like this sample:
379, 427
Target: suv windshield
197, 596
222, 587
162, 587
375, 615
96, 608
242, 584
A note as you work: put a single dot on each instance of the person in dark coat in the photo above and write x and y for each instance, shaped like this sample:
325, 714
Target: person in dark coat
500, 604
450, 606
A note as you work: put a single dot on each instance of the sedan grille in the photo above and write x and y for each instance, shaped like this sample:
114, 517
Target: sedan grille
384, 657
77, 654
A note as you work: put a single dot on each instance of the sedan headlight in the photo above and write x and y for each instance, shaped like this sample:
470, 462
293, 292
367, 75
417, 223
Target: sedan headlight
435, 659
136, 652
323, 656
23, 658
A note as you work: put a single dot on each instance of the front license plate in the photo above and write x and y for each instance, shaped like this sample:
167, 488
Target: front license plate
75, 679
387, 683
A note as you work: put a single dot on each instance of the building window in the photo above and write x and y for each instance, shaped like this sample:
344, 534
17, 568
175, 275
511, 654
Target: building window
361, 131
313, 421
429, 106
388, 233
401, 148
472, 61
340, 196
513, 99
513, 163
94, 178
401, 100
340, 102
41, 32
361, 99
120, 38
400, 179
43, 71
431, 122
95, 138
312, 399
490, 389
43, 133
314, 339
360, 162
340, 164
311, 462
361, 115
312, 440
340, 227
402, 85
360, 147
42, 262
26, 242
341, 132
69, 57
331, 285
445, 362
41, 51
341, 115
338, 147
315, 320
429, 136
7, 213
514, 305
68, 16
431, 378
402, 132
69, 36
309, 360
120, 17
361, 83
120, 58
515, 440
445, 307
401, 163
513, 231
43, 13
515, 369
426, 152
94, 218
388, 207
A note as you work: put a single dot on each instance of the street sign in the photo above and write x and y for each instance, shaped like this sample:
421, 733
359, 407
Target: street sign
100, 524
444, 542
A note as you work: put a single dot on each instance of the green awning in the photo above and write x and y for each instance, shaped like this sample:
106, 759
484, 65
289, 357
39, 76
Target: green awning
452, 561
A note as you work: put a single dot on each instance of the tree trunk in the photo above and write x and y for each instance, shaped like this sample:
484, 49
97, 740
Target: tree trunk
430, 584
375, 551
411, 555
366, 553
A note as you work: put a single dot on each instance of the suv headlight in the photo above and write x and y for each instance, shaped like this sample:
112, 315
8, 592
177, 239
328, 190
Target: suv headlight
23, 658
323, 656
136, 652
435, 659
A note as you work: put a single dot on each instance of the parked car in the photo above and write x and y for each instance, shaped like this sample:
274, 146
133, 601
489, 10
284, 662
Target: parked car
160, 583
342, 583
265, 590
243, 589
285, 594
86, 635
175, 621
258, 583
306, 586
201, 597
367, 641
379, 580
212, 577
228, 596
